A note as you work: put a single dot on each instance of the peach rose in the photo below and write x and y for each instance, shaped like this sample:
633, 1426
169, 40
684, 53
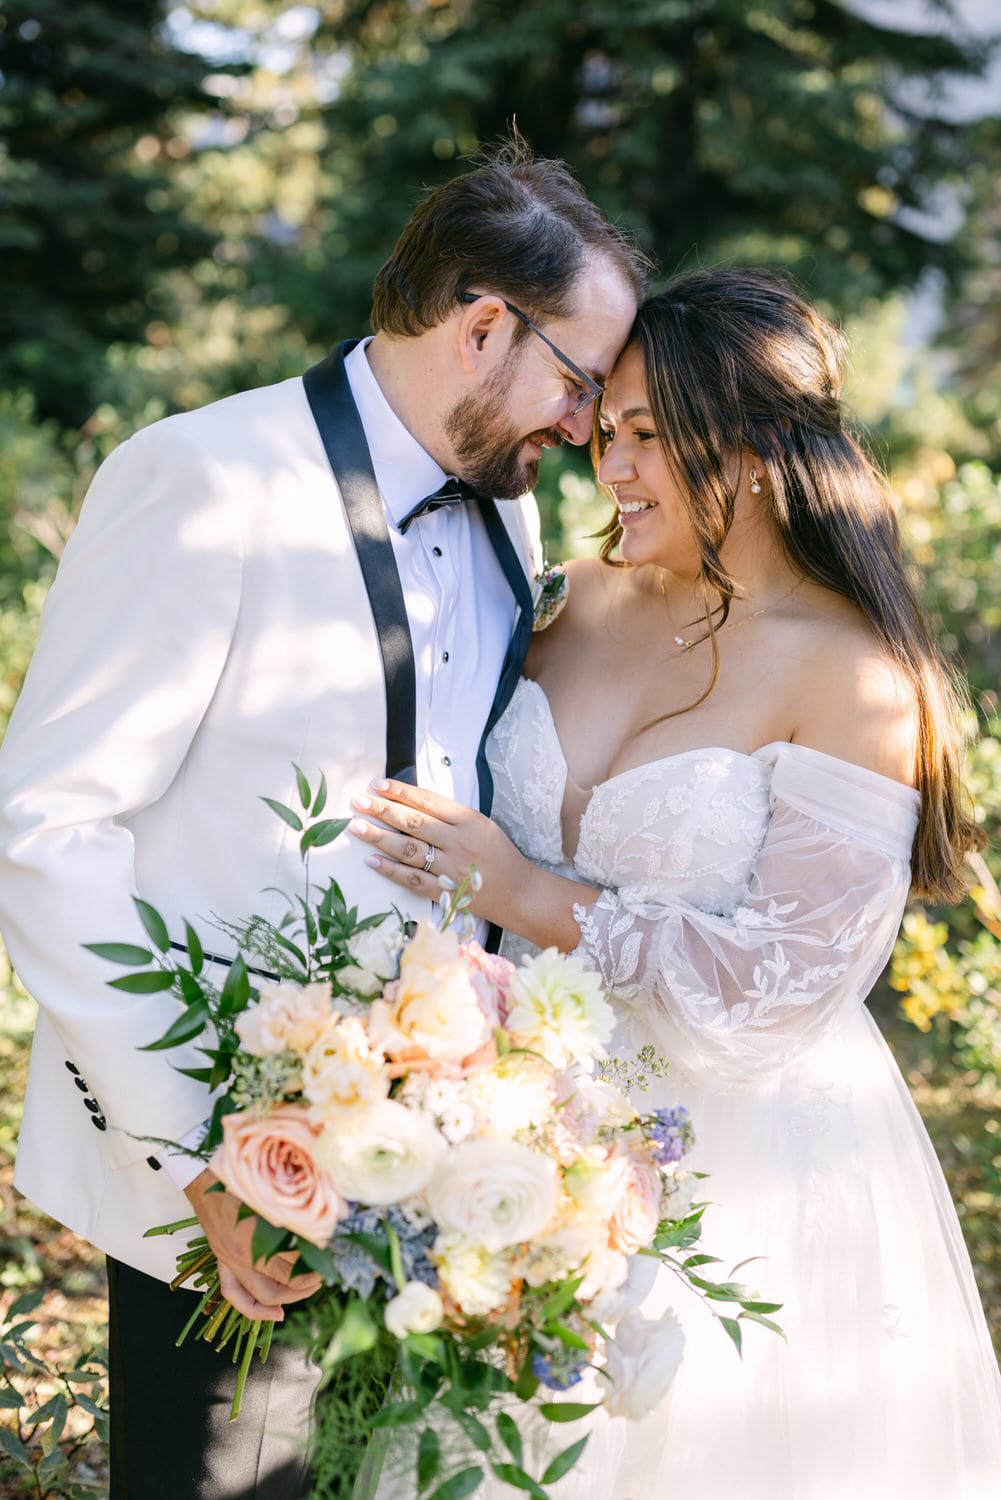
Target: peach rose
636, 1213
490, 975
432, 1010
268, 1162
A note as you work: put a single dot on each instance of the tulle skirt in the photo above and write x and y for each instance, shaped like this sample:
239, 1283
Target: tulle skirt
886, 1384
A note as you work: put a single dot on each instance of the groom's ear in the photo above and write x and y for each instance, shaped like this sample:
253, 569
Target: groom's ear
483, 335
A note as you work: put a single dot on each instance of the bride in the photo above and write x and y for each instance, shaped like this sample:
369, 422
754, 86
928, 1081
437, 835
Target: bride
733, 754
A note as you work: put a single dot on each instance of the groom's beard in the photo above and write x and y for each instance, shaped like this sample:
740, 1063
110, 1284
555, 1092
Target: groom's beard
488, 448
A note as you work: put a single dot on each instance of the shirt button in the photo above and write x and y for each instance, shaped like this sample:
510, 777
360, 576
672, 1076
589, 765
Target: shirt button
446, 760
444, 656
436, 551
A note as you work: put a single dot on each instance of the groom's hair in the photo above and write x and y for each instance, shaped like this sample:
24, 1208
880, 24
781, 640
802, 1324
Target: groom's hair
517, 225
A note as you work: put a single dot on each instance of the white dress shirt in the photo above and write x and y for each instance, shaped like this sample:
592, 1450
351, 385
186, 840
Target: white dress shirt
459, 603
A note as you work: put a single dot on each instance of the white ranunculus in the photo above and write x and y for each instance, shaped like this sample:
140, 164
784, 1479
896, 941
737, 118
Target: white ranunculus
341, 1071
557, 1006
376, 958
415, 1309
477, 1282
380, 1153
495, 1192
641, 1361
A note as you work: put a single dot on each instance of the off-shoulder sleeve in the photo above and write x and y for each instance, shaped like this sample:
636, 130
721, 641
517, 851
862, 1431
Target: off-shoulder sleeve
741, 994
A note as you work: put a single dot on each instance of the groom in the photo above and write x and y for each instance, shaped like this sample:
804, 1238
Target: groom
292, 574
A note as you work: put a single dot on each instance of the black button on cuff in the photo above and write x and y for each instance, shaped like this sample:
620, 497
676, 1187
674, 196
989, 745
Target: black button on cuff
446, 760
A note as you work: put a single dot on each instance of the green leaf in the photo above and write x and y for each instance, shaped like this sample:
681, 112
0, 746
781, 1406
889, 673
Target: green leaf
235, 993
561, 1299
733, 1328
196, 952
315, 1259
120, 953
567, 1411
285, 813
564, 1462
10, 1400
753, 1317
320, 800
200, 1075
474, 1429
268, 1240
397, 1414
519, 1480
156, 927
187, 1025
510, 1436
223, 1106
428, 1457
25, 1304
321, 833
89, 1405
19, 1453
148, 983
691, 1261
357, 1334
568, 1336
373, 1245
191, 990
302, 785
460, 1485
753, 1305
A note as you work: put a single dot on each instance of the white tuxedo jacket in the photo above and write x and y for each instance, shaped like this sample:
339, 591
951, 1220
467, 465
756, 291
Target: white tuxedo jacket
208, 626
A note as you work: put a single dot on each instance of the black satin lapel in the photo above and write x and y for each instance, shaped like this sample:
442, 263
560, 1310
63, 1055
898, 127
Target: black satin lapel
517, 649
340, 428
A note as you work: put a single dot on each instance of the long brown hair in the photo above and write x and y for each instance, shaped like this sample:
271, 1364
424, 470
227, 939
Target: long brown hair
736, 359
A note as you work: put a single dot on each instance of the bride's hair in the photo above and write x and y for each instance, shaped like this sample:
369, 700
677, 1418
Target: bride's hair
735, 359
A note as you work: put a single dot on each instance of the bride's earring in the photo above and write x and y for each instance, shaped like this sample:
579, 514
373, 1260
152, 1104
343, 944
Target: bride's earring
755, 486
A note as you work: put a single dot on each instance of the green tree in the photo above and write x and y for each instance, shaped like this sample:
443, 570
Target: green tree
90, 218
712, 127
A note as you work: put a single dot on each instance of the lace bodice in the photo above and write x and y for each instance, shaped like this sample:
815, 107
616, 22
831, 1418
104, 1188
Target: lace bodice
745, 899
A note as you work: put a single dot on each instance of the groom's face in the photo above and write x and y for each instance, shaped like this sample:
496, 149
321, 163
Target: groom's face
529, 402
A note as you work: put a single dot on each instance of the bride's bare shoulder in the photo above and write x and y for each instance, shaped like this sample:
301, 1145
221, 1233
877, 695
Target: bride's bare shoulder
857, 702
590, 587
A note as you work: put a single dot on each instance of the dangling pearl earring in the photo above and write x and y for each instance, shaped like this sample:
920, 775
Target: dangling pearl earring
755, 486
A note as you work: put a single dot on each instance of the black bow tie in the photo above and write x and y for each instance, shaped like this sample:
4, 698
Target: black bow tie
452, 492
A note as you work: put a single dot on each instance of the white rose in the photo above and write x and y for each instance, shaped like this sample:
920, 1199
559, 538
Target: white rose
432, 1007
288, 1017
380, 1153
557, 1006
416, 1309
496, 1193
641, 1361
613, 1303
376, 955
477, 1282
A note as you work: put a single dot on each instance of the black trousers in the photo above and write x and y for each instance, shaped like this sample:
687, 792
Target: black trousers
171, 1437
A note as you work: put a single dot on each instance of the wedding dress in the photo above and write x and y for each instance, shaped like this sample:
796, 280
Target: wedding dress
749, 903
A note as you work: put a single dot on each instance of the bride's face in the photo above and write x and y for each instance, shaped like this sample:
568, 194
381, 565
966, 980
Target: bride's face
655, 523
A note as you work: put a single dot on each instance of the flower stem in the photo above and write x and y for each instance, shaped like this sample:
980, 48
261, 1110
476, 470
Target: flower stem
253, 1333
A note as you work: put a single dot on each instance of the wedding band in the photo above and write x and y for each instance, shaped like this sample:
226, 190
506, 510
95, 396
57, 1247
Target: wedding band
430, 857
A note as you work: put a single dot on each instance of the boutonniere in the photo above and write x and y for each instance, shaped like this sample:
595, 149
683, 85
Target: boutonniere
550, 589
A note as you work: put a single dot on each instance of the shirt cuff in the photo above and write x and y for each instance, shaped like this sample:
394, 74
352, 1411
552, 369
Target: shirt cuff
180, 1169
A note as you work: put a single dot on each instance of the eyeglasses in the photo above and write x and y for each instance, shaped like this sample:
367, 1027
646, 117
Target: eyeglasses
592, 391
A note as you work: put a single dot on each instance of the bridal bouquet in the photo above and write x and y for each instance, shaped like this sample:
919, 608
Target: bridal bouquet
426, 1127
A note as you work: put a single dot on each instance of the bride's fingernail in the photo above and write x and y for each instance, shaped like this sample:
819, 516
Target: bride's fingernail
379, 786
362, 803
373, 862
358, 825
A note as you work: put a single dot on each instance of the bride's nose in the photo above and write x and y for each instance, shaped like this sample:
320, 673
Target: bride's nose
614, 467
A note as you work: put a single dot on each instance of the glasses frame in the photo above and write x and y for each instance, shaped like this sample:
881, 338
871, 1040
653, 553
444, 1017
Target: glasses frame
593, 391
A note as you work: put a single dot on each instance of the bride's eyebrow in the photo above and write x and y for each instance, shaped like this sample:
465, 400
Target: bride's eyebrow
635, 411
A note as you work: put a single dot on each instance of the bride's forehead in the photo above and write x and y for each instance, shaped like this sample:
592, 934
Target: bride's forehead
626, 385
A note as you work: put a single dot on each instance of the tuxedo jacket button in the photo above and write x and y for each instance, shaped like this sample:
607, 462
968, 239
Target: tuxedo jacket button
157, 1166
72, 1067
82, 1084
93, 1106
99, 1121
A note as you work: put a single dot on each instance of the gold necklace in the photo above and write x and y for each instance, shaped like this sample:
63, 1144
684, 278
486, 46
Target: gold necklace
685, 645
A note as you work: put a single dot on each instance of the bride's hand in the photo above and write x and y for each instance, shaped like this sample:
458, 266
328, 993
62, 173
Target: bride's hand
417, 836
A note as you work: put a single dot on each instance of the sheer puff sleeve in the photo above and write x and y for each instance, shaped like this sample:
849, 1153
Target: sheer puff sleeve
741, 994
